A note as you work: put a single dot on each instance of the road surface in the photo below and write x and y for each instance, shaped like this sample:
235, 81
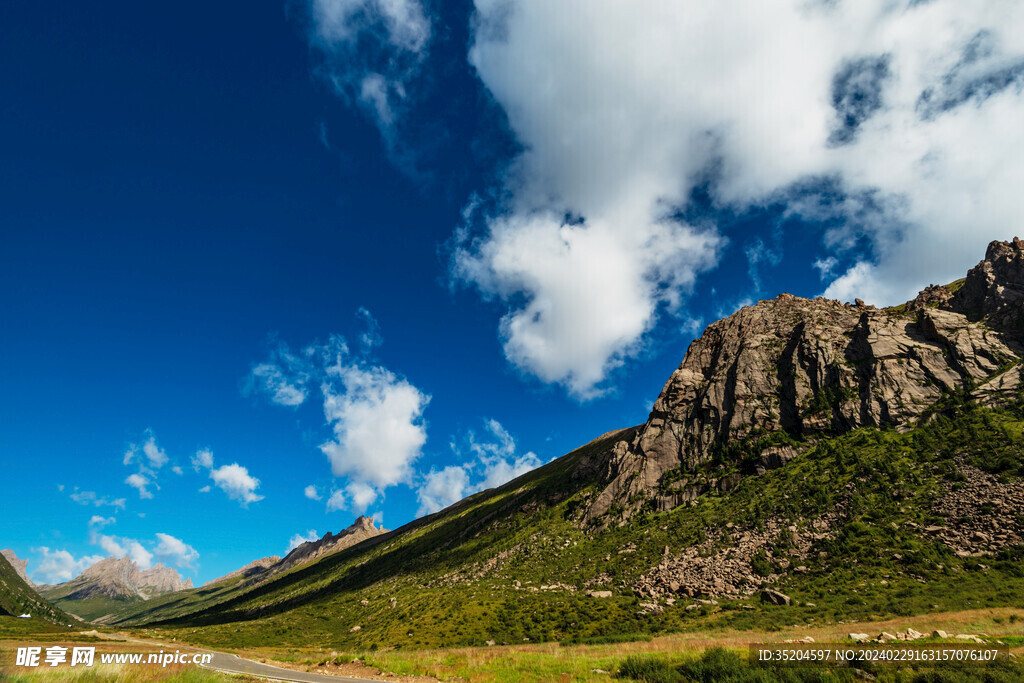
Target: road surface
233, 664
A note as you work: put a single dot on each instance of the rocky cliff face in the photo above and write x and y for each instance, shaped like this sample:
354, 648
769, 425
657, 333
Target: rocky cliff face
120, 579
18, 564
760, 385
362, 529
253, 568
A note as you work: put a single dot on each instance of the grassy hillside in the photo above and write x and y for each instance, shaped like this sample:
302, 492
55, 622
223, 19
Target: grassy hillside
514, 564
17, 598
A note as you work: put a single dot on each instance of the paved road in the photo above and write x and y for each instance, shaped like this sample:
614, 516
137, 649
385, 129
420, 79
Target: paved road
233, 664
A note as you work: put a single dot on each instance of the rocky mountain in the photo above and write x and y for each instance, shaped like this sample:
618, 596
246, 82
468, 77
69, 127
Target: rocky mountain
809, 461
252, 569
19, 565
360, 530
770, 380
117, 579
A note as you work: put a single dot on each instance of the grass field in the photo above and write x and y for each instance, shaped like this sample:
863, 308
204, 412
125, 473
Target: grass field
559, 662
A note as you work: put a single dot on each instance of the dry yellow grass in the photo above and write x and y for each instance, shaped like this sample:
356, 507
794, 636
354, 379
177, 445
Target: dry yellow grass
552, 662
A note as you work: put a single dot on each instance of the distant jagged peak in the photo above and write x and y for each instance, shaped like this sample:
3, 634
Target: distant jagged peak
253, 568
18, 564
120, 577
361, 529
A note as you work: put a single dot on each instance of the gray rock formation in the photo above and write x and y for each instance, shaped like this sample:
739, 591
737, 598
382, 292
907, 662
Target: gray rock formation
18, 564
762, 384
119, 579
362, 529
252, 569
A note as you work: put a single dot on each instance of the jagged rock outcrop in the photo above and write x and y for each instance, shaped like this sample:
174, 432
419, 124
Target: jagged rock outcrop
252, 569
761, 384
119, 579
161, 579
18, 564
362, 529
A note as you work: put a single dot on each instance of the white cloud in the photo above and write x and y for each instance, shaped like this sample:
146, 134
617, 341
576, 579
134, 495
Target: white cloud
98, 522
236, 481
56, 566
339, 22
116, 546
281, 379
298, 539
504, 471
362, 495
203, 459
441, 488
377, 422
155, 455
141, 483
205, 489
826, 266
375, 415
176, 551
621, 114
177, 470
110, 546
494, 459
87, 497
142, 557
337, 501
371, 49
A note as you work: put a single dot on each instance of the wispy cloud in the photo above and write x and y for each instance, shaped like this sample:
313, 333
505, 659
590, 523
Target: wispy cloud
91, 498
118, 546
371, 50
375, 416
148, 458
489, 460
56, 566
282, 378
175, 551
337, 501
140, 483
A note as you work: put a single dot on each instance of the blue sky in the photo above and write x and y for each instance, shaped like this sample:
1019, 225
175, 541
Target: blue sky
268, 266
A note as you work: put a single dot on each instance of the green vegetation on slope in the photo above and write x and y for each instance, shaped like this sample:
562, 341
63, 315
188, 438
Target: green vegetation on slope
513, 565
17, 598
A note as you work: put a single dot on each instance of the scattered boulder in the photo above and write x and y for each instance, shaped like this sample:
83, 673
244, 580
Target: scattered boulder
774, 597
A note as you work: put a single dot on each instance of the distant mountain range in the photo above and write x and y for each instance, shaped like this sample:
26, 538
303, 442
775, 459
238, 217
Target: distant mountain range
112, 586
116, 579
360, 530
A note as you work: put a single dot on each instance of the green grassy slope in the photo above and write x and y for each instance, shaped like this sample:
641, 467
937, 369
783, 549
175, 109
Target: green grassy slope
451, 578
17, 598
